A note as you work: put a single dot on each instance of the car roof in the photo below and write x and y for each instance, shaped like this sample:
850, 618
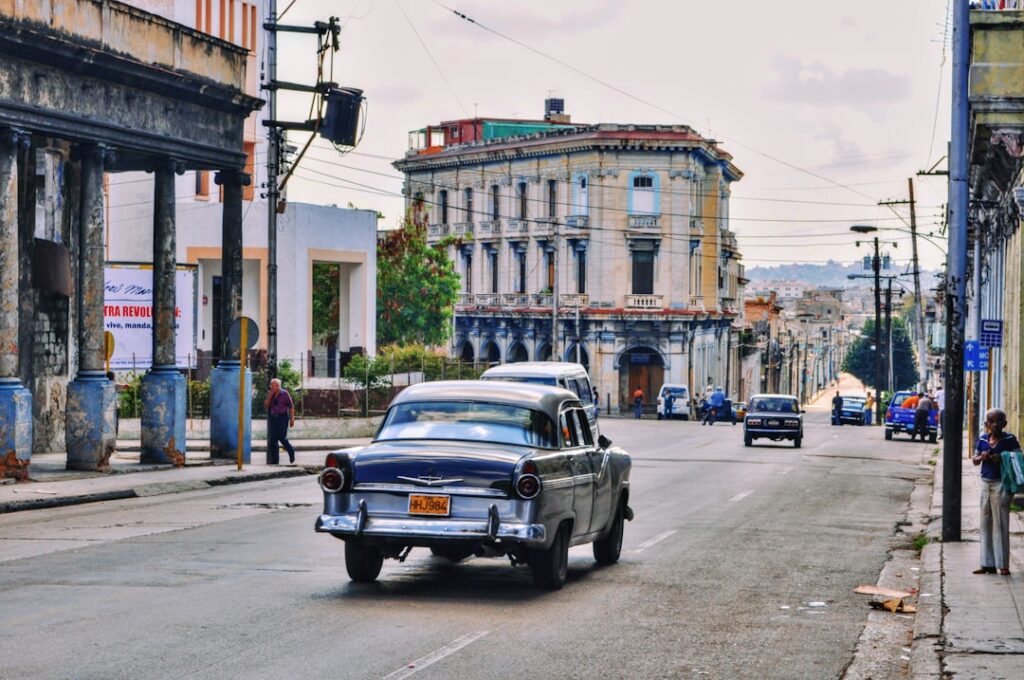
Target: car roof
538, 368
546, 398
773, 396
683, 385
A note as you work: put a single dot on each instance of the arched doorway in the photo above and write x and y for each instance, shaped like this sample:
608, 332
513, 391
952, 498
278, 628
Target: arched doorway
490, 352
466, 352
544, 352
517, 353
570, 356
640, 367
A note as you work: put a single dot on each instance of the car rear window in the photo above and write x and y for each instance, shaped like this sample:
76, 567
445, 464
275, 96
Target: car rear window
530, 379
774, 404
469, 421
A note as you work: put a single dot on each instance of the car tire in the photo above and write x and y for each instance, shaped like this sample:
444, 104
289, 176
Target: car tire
797, 441
362, 562
748, 440
888, 434
549, 567
608, 549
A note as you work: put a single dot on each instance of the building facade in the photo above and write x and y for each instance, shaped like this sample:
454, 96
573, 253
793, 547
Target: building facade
608, 244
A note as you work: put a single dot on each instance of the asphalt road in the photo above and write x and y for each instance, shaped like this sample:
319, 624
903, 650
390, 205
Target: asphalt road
740, 564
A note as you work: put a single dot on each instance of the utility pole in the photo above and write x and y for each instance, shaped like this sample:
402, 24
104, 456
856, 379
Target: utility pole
889, 384
555, 355
876, 267
956, 275
273, 171
922, 342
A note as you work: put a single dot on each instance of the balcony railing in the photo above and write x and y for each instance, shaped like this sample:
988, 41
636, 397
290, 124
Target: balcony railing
697, 301
573, 300
489, 228
515, 299
577, 221
542, 299
488, 299
644, 222
465, 299
543, 226
437, 230
517, 227
645, 302
462, 228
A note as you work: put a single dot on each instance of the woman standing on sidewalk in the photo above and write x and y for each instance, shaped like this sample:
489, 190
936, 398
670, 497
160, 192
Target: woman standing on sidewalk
995, 502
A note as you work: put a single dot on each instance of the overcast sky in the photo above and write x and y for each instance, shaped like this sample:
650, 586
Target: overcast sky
805, 95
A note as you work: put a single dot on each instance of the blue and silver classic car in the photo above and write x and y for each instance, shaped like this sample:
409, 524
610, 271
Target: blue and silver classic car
479, 468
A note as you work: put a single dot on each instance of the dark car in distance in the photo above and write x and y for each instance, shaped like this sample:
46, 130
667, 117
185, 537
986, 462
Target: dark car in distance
853, 410
773, 416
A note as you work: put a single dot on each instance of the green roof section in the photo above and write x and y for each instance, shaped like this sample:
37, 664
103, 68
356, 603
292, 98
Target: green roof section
500, 129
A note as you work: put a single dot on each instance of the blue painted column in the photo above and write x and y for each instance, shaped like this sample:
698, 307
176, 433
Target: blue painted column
163, 387
15, 399
89, 416
224, 378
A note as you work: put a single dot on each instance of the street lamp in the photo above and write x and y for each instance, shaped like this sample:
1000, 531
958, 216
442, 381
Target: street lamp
875, 267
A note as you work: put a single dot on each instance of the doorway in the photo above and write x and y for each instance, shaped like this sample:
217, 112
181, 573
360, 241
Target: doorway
640, 367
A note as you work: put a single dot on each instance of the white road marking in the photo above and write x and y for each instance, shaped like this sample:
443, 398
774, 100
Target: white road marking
787, 471
741, 495
657, 539
823, 445
435, 656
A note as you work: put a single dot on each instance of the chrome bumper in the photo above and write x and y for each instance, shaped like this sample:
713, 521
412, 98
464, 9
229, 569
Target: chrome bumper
442, 529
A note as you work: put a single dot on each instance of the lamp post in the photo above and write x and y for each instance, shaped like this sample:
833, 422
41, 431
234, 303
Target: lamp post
876, 265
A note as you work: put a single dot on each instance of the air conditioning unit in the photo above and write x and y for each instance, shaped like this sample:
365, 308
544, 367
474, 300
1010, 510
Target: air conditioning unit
341, 122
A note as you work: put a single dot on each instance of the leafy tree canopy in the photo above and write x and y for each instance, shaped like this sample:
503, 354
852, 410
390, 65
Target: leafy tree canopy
417, 286
860, 357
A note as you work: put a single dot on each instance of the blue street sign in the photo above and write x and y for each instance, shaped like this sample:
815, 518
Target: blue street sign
975, 356
991, 333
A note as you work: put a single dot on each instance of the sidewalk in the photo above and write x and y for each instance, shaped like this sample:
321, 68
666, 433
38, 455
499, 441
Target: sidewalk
51, 485
974, 626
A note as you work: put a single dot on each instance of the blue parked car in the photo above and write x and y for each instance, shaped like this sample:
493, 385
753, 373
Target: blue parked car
899, 419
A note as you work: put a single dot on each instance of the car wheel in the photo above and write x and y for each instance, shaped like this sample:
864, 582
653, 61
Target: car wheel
888, 434
748, 440
607, 549
797, 441
363, 562
550, 566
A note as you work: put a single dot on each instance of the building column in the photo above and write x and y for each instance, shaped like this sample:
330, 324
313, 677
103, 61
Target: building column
89, 416
15, 399
163, 387
224, 379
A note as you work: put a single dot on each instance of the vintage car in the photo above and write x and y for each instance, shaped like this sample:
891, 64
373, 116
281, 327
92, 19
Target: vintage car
479, 468
773, 416
853, 409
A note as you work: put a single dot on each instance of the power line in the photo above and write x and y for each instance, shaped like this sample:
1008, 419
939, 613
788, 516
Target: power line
426, 49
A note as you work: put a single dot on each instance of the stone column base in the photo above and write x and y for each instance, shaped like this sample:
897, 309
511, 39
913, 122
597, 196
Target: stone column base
163, 417
224, 412
89, 421
15, 429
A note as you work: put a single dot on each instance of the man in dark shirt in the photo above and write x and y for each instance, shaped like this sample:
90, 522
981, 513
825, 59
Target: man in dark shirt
837, 409
280, 415
921, 414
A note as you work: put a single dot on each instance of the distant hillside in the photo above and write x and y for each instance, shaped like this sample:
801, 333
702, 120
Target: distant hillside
830, 275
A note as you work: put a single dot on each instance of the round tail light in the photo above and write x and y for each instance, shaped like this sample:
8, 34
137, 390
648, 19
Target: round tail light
331, 480
528, 486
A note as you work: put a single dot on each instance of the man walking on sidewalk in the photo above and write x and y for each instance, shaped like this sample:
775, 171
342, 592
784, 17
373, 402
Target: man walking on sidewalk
280, 415
837, 409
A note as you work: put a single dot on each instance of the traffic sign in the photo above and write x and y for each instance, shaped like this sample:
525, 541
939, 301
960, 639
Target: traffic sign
975, 356
991, 333
235, 333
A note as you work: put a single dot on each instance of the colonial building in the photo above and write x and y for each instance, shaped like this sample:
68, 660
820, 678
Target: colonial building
606, 243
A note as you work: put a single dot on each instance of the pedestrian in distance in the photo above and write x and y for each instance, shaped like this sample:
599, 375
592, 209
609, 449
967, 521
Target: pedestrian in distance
837, 409
995, 497
118, 387
638, 403
670, 404
869, 408
922, 410
280, 416
597, 403
940, 403
713, 406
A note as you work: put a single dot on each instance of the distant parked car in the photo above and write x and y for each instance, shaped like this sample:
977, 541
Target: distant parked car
740, 408
569, 376
773, 416
681, 403
853, 409
485, 468
899, 419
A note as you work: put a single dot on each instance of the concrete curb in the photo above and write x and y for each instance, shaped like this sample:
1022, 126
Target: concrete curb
924, 654
152, 489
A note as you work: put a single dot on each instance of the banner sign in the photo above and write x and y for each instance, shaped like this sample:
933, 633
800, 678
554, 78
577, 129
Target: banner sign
991, 334
128, 309
975, 356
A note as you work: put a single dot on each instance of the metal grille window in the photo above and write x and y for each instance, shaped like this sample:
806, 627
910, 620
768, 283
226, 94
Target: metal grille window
495, 203
467, 272
521, 192
443, 201
520, 258
581, 271
552, 198
643, 272
492, 257
469, 204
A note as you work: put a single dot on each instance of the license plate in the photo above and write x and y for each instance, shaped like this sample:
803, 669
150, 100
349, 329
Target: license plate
429, 505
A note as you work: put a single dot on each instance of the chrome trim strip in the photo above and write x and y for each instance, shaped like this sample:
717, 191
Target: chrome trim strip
432, 481
563, 482
442, 529
450, 490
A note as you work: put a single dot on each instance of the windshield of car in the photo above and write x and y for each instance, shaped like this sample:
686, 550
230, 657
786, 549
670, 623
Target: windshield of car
530, 379
774, 404
853, 402
677, 392
474, 421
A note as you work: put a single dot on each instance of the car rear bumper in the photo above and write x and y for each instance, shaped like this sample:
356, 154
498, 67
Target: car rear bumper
765, 432
428, 530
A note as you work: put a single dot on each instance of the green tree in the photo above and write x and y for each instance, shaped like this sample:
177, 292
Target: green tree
860, 357
417, 285
326, 301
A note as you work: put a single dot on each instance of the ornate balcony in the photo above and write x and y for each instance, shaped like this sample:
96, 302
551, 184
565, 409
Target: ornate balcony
544, 226
462, 229
577, 221
515, 299
488, 229
488, 299
517, 227
542, 299
465, 300
697, 301
437, 230
644, 222
573, 300
653, 302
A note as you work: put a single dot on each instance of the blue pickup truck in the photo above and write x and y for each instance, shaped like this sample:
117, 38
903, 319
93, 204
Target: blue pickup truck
899, 419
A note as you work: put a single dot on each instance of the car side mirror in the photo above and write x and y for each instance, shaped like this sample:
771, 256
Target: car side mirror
603, 441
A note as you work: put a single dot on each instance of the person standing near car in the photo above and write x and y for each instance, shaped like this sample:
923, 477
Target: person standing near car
940, 403
995, 501
921, 414
670, 404
638, 403
280, 415
869, 408
837, 409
